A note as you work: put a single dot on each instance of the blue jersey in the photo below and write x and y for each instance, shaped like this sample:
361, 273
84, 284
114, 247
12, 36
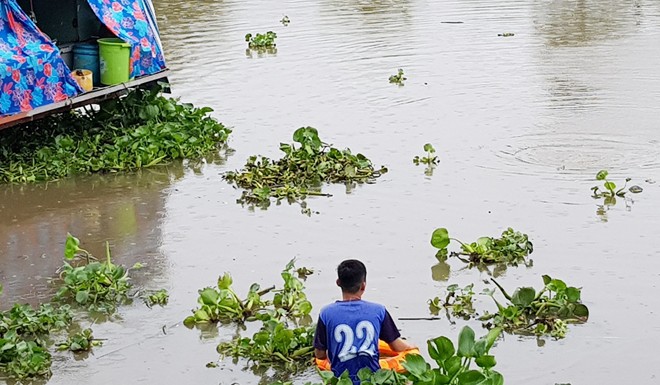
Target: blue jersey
349, 331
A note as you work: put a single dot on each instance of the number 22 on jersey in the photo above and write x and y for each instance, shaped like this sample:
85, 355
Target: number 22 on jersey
346, 337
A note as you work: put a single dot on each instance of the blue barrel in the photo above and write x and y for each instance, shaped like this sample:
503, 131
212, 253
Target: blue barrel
86, 57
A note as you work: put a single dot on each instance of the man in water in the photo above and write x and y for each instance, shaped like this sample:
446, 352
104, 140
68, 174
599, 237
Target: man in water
348, 331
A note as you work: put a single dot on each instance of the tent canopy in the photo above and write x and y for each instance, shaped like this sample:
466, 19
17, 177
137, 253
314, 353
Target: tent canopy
32, 72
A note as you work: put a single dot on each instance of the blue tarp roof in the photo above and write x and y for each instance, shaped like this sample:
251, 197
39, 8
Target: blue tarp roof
32, 72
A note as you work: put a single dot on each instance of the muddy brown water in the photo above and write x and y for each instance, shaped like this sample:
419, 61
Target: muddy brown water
521, 125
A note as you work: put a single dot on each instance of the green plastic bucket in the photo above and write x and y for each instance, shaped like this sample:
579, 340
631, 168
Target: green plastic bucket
114, 59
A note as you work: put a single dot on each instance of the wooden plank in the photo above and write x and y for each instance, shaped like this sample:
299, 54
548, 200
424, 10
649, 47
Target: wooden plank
91, 97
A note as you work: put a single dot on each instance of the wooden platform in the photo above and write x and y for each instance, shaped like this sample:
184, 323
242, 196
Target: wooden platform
91, 97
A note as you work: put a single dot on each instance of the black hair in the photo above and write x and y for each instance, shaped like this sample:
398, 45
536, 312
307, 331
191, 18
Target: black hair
351, 273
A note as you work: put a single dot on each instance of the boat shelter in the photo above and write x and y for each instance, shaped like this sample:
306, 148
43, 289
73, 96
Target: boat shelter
37, 42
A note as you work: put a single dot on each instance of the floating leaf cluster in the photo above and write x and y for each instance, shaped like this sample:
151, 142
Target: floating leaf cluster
611, 192
142, 129
544, 313
82, 341
274, 344
511, 248
261, 41
24, 338
429, 159
458, 302
467, 363
99, 286
301, 171
398, 78
222, 304
160, 297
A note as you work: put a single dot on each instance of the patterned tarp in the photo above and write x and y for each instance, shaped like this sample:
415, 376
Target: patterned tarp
32, 72
133, 22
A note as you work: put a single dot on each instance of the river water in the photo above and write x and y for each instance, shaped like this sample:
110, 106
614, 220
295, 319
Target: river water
521, 125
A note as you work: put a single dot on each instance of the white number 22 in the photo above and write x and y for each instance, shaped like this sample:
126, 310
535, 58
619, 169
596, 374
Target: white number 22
344, 335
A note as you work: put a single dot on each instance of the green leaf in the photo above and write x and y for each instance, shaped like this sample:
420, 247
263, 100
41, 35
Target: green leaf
417, 366
573, 294
491, 337
453, 365
440, 238
82, 296
523, 296
209, 296
441, 349
610, 186
71, 247
581, 311
496, 378
429, 148
471, 377
485, 362
546, 279
225, 281
465, 342
602, 174
364, 374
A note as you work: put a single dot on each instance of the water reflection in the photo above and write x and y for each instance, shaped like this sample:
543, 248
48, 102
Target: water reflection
123, 209
584, 22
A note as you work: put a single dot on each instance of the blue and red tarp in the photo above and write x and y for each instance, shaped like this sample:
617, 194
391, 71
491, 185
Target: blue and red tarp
133, 21
32, 72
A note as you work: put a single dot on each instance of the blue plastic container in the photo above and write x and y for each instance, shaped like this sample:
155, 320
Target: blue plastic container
86, 56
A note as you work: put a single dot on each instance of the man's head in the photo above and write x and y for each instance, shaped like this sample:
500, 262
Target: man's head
351, 276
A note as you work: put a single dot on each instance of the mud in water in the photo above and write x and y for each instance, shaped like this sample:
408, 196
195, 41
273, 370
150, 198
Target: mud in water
521, 125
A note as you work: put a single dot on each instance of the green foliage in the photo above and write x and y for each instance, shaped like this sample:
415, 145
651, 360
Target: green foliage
24, 333
82, 341
301, 171
511, 248
99, 286
398, 78
222, 304
159, 297
285, 21
544, 313
458, 301
429, 159
139, 130
291, 301
611, 192
261, 41
274, 344
467, 363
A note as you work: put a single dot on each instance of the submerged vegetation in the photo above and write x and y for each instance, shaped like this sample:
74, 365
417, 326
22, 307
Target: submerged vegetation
261, 41
301, 171
511, 248
544, 313
398, 78
142, 129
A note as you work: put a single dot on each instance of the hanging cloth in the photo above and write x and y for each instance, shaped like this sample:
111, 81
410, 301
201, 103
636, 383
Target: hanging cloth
133, 22
32, 72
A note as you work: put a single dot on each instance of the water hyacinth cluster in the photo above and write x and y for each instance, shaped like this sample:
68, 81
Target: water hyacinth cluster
301, 171
142, 129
